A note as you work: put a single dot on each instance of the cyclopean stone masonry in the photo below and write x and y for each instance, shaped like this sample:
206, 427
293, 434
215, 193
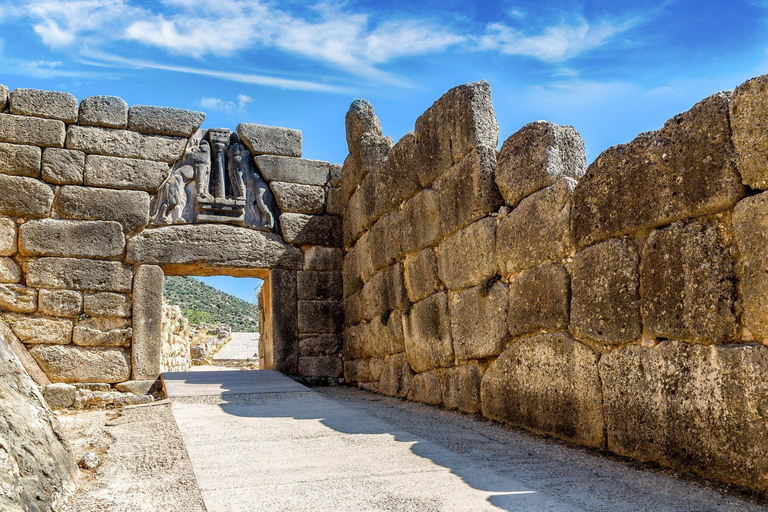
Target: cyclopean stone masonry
621, 306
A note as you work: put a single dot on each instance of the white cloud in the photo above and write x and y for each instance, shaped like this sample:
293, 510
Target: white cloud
228, 107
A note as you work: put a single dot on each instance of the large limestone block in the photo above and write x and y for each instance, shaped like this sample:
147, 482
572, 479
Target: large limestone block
86, 336
478, 321
360, 119
468, 258
467, 190
386, 240
34, 131
296, 198
357, 371
293, 170
334, 202
320, 316
300, 229
538, 231
20, 160
749, 108
421, 275
147, 322
397, 180
688, 406
10, 271
285, 331
371, 155
72, 238
750, 230
63, 166
24, 197
38, 329
353, 225
323, 258
125, 173
3, 97
384, 292
270, 140
60, 302
8, 236
380, 337
686, 169
547, 383
319, 286
396, 377
126, 144
128, 207
320, 367
536, 156
18, 298
426, 388
107, 304
427, 329
48, 104
605, 294
80, 274
164, 120
208, 246
461, 389
70, 363
689, 284
460, 120
539, 300
104, 111
320, 345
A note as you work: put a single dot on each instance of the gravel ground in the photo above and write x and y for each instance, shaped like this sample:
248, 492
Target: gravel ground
144, 466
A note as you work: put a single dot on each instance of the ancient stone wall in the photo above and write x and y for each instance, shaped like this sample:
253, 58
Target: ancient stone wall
99, 200
175, 353
623, 306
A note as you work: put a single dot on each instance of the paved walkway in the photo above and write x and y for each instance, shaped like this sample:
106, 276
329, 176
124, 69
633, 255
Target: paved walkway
244, 346
260, 441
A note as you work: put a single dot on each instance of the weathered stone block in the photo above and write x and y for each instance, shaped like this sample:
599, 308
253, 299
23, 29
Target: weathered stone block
317, 316
335, 175
380, 337
468, 258
126, 173
107, 304
18, 298
209, 246
63, 166
353, 225
748, 109
32, 130
10, 271
357, 371
359, 120
319, 285
60, 302
293, 170
396, 378
270, 140
285, 334
461, 389
371, 155
38, 329
48, 104
147, 322
164, 120
478, 321
536, 156
296, 198
460, 120
139, 387
384, 292
24, 197
300, 229
128, 207
539, 300
467, 190
124, 143
427, 328
59, 396
79, 274
750, 229
334, 202
20, 160
605, 295
320, 345
548, 383
421, 275
104, 111
71, 238
688, 283
70, 363
322, 258
679, 404
538, 231
320, 366
686, 169
8, 234
3, 97
426, 388
395, 181
90, 336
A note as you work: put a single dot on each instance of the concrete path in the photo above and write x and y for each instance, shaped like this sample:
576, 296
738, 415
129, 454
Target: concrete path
260, 441
244, 346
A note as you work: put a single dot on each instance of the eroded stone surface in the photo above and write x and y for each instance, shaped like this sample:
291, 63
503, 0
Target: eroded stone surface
107, 304
39, 329
104, 111
164, 120
20, 160
48, 104
322, 258
293, 170
270, 140
461, 389
69, 238
24, 197
8, 234
478, 321
296, 198
63, 166
750, 229
60, 302
70, 363
468, 258
128, 207
320, 345
421, 275
10, 271
539, 300
548, 383
303, 229
426, 388
396, 377
319, 286
3, 97
127, 173
34, 131
18, 298
320, 367
147, 322
80, 274
124, 143
320, 316
427, 328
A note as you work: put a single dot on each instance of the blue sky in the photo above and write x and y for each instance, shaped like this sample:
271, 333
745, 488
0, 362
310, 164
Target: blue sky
611, 69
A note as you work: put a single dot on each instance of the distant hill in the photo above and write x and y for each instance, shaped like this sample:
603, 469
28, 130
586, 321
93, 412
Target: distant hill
202, 303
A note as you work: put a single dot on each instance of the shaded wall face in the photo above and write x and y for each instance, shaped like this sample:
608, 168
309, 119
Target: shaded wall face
98, 201
619, 306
